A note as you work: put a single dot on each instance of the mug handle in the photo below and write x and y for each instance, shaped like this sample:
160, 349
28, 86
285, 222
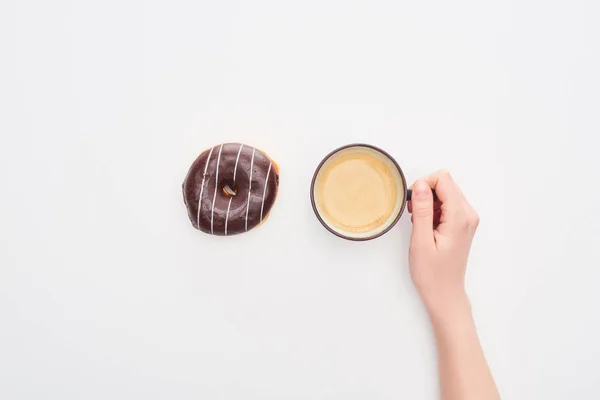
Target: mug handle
409, 195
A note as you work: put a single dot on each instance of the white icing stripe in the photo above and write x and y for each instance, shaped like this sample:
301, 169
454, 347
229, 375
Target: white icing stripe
212, 211
250, 187
227, 215
265, 192
236, 162
202, 189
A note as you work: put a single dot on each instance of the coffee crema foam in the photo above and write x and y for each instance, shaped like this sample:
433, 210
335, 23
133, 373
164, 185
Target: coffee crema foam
356, 192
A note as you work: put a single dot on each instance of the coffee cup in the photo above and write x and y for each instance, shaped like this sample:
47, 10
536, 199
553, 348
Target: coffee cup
359, 192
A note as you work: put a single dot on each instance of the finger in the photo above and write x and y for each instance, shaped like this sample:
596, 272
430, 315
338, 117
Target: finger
437, 205
444, 186
451, 198
422, 215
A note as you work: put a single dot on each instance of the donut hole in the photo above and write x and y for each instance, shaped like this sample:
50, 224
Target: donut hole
228, 188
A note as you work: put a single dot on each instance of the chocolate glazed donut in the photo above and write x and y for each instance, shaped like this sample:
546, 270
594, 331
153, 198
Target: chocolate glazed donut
230, 189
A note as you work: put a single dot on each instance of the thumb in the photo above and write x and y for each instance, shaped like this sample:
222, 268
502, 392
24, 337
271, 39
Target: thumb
422, 210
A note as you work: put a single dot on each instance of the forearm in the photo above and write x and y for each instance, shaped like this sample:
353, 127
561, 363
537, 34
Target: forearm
464, 373
443, 230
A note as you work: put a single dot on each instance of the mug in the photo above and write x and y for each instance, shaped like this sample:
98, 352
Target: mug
358, 192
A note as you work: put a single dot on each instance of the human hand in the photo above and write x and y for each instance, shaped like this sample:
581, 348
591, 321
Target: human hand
440, 241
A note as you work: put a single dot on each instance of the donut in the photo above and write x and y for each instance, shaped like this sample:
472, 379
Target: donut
230, 189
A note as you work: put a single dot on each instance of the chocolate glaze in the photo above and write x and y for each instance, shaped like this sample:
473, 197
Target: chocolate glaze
221, 214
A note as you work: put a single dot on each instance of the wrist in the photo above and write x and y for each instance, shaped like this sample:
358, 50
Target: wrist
448, 308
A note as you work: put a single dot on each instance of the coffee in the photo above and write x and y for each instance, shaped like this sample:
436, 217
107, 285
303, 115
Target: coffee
358, 191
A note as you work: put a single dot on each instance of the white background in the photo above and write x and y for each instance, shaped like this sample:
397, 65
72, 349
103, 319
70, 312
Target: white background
106, 290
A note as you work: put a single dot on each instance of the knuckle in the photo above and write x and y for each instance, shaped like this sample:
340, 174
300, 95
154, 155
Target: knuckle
473, 220
466, 224
422, 211
444, 174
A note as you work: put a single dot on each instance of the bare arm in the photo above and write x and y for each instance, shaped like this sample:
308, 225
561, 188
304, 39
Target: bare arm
464, 373
439, 249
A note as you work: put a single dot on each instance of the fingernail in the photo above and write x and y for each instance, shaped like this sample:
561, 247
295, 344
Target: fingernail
421, 190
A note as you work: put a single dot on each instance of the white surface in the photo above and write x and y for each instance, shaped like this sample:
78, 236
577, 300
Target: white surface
106, 291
